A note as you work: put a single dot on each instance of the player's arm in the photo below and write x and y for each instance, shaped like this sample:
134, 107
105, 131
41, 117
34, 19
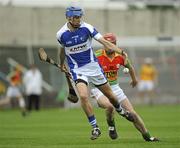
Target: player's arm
62, 56
98, 37
62, 59
62, 50
131, 72
109, 45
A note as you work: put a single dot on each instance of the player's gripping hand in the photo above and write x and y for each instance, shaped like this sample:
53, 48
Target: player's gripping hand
124, 54
63, 68
133, 83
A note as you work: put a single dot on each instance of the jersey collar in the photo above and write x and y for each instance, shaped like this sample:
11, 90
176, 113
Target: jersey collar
115, 55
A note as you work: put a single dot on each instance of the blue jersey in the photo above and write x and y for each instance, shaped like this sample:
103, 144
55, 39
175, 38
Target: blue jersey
77, 45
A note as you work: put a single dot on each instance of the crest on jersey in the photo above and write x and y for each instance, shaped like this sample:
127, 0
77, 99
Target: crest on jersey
104, 67
83, 38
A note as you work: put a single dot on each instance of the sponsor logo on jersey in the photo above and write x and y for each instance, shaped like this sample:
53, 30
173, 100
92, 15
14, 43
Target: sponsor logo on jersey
110, 74
83, 38
78, 48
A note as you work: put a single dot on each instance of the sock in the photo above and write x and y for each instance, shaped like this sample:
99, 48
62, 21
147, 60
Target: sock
111, 122
146, 136
92, 121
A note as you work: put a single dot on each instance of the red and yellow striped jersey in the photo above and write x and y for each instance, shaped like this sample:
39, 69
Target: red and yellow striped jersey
110, 65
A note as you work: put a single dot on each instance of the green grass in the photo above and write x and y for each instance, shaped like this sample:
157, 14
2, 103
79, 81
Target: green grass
61, 128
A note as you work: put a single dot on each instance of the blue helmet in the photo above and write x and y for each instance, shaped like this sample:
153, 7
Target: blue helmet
73, 11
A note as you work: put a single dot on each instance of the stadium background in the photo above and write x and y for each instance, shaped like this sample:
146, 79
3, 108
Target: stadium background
144, 28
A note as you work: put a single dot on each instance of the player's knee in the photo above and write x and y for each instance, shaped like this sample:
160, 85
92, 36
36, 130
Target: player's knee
132, 116
84, 98
110, 108
112, 100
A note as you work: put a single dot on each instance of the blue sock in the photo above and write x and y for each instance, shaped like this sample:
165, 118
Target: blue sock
92, 121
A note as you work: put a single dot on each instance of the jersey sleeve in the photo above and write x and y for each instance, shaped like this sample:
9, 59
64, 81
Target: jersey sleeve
59, 38
121, 60
93, 32
98, 52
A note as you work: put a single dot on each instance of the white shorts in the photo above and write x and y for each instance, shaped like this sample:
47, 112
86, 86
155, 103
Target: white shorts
13, 91
96, 93
145, 85
90, 73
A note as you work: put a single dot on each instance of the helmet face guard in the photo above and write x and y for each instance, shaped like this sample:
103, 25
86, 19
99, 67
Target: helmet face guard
74, 11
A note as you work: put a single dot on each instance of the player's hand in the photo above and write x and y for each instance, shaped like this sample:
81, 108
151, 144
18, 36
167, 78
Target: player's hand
124, 54
63, 68
133, 83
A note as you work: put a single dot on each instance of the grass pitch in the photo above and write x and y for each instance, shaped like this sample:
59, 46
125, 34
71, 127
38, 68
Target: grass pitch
61, 128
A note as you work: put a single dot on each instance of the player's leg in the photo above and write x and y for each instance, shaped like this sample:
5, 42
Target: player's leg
33, 101
29, 102
150, 92
103, 102
37, 102
83, 92
107, 91
141, 91
22, 105
137, 121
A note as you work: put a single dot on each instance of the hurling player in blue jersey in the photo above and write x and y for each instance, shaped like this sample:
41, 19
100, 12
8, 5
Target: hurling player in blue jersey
75, 39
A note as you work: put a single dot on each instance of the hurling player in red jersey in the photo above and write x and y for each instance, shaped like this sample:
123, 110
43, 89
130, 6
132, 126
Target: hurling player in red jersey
111, 62
14, 91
